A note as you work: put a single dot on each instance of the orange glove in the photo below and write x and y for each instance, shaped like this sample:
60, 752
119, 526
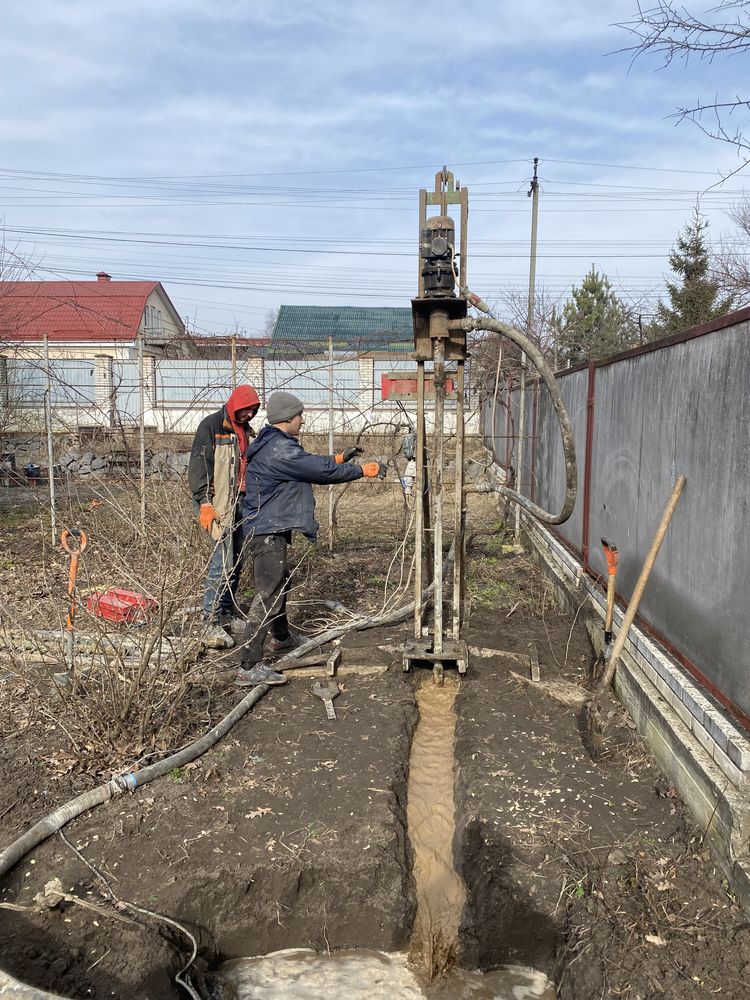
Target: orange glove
373, 470
207, 516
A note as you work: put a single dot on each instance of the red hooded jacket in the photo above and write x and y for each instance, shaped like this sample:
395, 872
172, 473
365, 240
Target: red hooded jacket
242, 397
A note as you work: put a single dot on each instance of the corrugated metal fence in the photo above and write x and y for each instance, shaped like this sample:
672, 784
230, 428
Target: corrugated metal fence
681, 406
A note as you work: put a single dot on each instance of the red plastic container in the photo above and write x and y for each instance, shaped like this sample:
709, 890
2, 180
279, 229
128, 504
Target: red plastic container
118, 605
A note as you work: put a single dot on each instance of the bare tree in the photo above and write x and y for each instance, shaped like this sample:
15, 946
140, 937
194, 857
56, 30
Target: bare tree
675, 33
732, 261
493, 357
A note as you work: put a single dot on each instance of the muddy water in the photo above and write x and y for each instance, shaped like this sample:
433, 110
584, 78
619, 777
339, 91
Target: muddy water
441, 893
300, 974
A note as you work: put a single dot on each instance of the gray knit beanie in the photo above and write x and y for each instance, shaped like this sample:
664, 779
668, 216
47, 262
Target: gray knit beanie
282, 406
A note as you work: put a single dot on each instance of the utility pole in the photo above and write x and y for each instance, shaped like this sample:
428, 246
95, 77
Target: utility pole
532, 193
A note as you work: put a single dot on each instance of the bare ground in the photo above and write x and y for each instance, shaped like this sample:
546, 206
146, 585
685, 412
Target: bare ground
291, 832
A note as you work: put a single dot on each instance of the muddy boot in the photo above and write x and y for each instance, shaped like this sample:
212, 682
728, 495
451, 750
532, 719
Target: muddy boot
234, 624
260, 673
215, 637
292, 641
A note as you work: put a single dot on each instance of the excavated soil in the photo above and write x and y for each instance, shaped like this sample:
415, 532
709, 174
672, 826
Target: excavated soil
292, 831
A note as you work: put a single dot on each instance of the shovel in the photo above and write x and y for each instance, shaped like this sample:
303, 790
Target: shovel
593, 710
73, 542
612, 556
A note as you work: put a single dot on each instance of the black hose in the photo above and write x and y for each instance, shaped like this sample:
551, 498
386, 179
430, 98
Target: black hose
566, 429
54, 821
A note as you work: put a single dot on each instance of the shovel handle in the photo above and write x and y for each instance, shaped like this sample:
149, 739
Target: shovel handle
77, 546
640, 586
612, 556
74, 550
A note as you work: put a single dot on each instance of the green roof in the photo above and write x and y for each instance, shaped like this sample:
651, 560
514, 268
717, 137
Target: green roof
353, 328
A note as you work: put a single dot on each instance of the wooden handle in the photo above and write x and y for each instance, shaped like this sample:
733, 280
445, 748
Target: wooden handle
610, 603
640, 586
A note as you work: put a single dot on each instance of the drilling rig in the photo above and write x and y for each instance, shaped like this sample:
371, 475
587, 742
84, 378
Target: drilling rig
441, 326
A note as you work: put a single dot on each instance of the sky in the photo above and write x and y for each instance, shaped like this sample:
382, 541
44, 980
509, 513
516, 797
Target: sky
253, 154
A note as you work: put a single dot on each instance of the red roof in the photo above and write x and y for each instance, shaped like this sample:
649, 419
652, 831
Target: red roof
72, 310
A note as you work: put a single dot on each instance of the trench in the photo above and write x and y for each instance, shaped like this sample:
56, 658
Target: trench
479, 926
431, 967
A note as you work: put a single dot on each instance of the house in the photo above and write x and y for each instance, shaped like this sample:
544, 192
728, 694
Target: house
372, 349
355, 330
83, 319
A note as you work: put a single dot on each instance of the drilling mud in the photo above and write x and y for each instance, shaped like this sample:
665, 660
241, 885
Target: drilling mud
298, 974
441, 893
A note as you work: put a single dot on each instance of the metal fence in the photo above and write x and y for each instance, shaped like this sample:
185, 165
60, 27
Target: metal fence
71, 382
679, 406
178, 392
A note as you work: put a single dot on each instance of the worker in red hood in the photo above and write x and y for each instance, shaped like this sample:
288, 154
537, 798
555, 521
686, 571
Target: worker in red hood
216, 475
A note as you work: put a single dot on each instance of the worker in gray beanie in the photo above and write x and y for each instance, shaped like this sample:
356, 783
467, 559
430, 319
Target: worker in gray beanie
283, 406
279, 500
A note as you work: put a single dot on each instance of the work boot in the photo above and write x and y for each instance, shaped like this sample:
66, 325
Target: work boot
292, 641
234, 624
215, 637
261, 673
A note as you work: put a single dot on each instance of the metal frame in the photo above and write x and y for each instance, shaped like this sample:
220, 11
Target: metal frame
436, 643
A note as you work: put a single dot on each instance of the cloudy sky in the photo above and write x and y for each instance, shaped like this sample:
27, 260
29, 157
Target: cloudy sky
249, 153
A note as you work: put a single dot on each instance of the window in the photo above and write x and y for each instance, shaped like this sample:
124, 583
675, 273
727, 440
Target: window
152, 318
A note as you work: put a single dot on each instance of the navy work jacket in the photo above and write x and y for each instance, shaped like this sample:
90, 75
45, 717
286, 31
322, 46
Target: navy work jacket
278, 494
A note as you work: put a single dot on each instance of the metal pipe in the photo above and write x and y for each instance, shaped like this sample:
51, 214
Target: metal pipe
521, 447
419, 507
142, 427
330, 440
459, 518
50, 451
437, 490
588, 455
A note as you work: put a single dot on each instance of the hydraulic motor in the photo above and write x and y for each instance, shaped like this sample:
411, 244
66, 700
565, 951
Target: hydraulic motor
437, 247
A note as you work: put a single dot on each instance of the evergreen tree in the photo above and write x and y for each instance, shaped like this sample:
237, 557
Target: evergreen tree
695, 298
594, 322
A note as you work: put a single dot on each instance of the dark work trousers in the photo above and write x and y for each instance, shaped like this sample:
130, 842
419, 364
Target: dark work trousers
268, 609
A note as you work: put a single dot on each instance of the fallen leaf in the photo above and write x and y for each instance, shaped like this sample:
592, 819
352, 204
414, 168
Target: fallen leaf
260, 811
656, 939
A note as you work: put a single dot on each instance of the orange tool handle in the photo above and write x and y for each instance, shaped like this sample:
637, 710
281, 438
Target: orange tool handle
74, 550
611, 555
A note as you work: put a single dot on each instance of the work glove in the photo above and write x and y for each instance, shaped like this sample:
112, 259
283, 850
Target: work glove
374, 470
348, 454
207, 516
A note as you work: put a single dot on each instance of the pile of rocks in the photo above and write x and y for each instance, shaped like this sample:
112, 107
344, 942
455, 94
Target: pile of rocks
87, 463
166, 464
